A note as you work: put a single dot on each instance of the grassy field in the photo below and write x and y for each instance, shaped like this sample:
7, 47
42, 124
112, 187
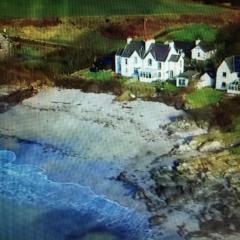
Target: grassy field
203, 97
47, 8
99, 76
192, 32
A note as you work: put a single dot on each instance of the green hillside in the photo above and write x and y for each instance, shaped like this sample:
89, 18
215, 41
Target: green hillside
47, 8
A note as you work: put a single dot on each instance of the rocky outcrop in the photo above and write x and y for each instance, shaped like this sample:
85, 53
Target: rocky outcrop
213, 184
15, 97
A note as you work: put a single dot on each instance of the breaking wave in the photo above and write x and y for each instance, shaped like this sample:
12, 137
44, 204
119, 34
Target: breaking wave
72, 211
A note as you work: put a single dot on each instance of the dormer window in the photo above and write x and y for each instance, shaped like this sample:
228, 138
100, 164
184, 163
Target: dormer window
149, 62
126, 61
159, 65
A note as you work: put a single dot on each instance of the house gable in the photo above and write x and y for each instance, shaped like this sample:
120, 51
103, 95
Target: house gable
158, 62
223, 76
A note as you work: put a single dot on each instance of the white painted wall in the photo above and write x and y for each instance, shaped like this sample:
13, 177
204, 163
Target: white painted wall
221, 79
127, 69
199, 55
117, 64
233, 92
205, 81
135, 62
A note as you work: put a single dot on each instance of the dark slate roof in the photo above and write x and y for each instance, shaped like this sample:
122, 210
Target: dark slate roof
184, 45
119, 52
138, 46
206, 47
212, 74
233, 63
189, 74
174, 58
159, 51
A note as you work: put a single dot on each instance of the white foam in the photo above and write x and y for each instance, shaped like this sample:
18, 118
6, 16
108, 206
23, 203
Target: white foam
7, 156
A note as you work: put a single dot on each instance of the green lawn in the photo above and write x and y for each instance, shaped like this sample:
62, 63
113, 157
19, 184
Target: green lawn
100, 76
168, 86
192, 32
203, 97
46, 8
33, 52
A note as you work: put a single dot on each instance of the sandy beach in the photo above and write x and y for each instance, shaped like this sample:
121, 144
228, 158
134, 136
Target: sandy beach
89, 139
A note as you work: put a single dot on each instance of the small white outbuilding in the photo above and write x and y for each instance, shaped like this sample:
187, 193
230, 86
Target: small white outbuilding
184, 79
208, 79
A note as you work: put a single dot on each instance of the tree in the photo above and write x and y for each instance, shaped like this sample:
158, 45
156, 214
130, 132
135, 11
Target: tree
228, 41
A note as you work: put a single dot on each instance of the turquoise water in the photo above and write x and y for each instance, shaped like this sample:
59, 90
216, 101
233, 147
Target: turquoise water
33, 206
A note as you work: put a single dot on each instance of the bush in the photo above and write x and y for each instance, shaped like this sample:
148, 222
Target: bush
140, 89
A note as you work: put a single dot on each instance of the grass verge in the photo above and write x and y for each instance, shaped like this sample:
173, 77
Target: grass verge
203, 97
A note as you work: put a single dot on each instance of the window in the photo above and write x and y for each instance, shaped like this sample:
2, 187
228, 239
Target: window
171, 74
149, 62
199, 54
182, 82
159, 74
223, 85
126, 61
135, 60
234, 86
238, 75
159, 65
224, 74
150, 75
126, 70
136, 72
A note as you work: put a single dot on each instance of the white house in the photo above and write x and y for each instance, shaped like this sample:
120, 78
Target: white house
203, 51
207, 79
184, 79
184, 47
149, 61
228, 75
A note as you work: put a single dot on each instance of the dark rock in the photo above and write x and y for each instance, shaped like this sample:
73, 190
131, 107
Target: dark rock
157, 219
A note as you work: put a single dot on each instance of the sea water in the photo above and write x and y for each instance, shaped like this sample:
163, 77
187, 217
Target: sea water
34, 206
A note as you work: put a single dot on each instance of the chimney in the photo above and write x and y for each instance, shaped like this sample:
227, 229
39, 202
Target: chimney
148, 43
129, 39
171, 44
197, 41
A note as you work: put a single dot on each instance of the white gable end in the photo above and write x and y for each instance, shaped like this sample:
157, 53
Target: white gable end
224, 76
148, 69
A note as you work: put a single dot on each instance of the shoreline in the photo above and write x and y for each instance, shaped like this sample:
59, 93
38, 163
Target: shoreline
136, 128
143, 147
